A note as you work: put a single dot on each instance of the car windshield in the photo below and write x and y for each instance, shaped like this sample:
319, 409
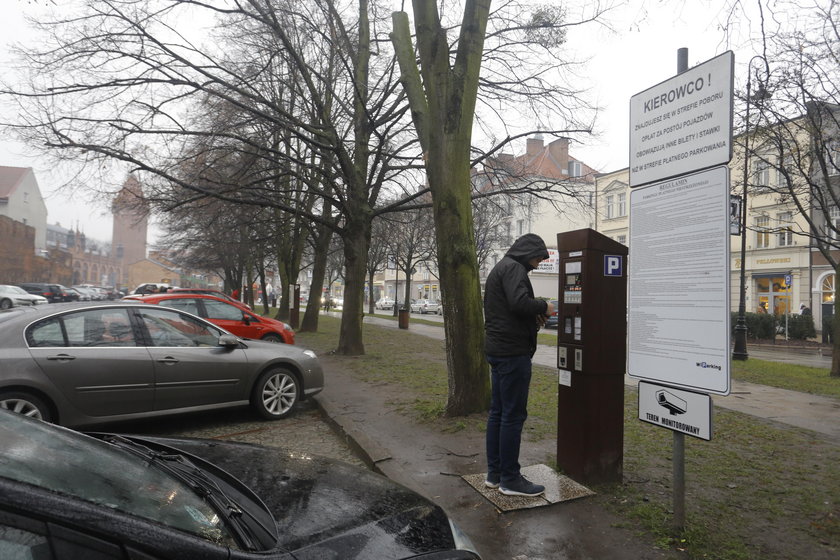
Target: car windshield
69, 463
13, 290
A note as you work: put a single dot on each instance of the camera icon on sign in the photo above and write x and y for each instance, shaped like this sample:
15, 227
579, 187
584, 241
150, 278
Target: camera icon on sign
673, 403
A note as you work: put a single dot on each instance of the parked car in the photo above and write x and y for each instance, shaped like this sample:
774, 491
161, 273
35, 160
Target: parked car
337, 304
53, 292
209, 292
424, 306
13, 296
152, 288
551, 322
91, 293
384, 303
231, 316
64, 494
77, 295
79, 364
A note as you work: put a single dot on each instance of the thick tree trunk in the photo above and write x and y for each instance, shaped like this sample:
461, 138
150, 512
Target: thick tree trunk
316, 287
469, 381
356, 243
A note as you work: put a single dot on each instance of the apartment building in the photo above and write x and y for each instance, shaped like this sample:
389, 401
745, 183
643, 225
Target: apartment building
783, 267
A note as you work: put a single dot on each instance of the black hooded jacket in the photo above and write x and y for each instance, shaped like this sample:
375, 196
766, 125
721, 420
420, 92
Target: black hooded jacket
510, 310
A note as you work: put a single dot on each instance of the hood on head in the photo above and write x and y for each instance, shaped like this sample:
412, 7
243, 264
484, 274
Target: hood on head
526, 248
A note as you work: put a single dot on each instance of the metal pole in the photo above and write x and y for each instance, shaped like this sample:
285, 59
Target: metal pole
679, 480
739, 352
679, 438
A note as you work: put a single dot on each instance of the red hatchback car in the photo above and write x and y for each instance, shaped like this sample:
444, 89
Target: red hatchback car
229, 316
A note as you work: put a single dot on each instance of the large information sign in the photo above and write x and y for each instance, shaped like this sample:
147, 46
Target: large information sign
683, 124
679, 282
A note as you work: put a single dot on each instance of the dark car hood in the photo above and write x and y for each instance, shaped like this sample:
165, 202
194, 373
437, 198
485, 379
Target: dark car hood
329, 509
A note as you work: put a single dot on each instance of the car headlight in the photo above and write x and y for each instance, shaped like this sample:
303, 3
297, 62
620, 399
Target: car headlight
287, 326
311, 354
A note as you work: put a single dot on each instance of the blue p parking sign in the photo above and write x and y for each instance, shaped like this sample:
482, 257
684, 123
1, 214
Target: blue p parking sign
613, 265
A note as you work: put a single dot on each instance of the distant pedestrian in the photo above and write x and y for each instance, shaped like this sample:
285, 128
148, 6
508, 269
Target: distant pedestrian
804, 309
512, 317
762, 308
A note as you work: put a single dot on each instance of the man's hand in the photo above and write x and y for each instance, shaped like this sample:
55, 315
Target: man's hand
541, 319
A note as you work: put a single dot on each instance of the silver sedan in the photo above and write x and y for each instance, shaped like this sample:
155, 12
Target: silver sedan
13, 296
82, 364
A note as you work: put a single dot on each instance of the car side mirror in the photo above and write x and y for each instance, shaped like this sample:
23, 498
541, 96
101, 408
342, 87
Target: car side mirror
246, 319
228, 341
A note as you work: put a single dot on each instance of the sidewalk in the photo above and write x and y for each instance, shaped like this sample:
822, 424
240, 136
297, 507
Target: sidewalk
431, 463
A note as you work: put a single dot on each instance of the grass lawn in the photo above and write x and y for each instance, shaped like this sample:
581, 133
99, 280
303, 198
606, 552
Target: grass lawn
757, 490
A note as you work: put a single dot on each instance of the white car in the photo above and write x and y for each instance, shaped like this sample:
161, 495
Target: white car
13, 296
424, 306
385, 303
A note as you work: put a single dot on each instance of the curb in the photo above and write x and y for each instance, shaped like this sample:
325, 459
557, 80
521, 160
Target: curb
372, 454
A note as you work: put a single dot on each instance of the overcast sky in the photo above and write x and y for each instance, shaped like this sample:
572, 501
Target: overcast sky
640, 53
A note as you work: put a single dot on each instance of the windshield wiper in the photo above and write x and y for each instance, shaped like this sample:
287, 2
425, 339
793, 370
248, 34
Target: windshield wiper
180, 467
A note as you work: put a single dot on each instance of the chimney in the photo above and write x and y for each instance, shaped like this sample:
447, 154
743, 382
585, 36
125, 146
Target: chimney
534, 145
559, 150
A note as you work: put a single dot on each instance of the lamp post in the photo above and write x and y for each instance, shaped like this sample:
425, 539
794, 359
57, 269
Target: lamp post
739, 352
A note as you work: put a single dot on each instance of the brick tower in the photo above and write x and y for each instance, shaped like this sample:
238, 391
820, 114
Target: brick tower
131, 224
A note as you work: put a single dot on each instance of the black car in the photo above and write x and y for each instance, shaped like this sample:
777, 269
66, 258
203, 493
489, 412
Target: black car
67, 495
54, 293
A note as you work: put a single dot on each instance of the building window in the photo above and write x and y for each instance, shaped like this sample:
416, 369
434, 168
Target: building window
622, 205
828, 289
622, 239
832, 156
785, 231
575, 169
520, 228
833, 232
762, 171
610, 210
762, 232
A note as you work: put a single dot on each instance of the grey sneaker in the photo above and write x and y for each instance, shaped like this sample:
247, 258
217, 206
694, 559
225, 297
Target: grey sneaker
521, 487
492, 480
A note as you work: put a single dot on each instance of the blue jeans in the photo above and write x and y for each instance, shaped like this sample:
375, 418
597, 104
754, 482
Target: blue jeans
510, 380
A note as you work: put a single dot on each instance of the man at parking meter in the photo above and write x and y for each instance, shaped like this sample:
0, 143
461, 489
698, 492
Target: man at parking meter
512, 317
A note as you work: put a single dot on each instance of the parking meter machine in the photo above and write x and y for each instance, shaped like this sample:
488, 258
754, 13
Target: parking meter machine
591, 355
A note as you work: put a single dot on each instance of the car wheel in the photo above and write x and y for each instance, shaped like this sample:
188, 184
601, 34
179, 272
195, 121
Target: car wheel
26, 404
273, 337
6, 304
276, 393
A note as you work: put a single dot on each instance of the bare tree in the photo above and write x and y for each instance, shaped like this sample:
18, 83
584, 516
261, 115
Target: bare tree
795, 148
510, 63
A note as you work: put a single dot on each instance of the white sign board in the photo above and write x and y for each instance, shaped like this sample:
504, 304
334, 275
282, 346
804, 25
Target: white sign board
682, 411
678, 317
683, 124
551, 264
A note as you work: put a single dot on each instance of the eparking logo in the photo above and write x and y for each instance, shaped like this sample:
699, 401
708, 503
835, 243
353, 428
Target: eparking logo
706, 365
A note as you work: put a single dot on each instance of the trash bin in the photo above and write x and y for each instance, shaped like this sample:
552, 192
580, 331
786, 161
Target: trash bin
402, 318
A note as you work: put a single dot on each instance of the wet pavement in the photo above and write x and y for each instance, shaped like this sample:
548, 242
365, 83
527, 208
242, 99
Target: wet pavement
306, 432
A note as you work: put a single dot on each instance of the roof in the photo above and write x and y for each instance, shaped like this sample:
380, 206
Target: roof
11, 178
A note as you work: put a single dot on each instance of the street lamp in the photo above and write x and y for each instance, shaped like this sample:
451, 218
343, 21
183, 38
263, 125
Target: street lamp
739, 352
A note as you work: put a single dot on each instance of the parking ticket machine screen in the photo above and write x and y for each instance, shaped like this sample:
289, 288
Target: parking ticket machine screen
573, 283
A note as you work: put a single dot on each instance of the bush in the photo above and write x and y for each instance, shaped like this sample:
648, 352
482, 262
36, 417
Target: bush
800, 327
761, 326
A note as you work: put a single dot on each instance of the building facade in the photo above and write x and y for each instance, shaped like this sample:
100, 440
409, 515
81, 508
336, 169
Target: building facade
21, 200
